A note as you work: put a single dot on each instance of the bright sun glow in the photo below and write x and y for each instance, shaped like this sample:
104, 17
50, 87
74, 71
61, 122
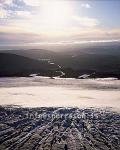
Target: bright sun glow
56, 14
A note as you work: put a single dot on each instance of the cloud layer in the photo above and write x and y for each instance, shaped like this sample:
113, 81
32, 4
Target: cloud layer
22, 21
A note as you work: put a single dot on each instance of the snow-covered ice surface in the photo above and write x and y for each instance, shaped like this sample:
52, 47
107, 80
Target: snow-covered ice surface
46, 92
65, 127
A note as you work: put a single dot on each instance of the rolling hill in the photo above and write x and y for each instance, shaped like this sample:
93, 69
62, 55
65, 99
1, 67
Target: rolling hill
102, 61
15, 65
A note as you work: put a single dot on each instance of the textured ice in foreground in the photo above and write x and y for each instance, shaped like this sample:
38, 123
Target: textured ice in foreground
59, 129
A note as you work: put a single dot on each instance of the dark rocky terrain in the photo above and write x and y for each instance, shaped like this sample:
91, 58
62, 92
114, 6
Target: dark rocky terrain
59, 129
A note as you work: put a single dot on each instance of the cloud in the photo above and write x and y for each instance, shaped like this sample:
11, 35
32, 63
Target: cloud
17, 38
3, 13
23, 14
22, 21
85, 5
95, 34
33, 2
85, 21
72, 36
1, 1
15, 5
14, 9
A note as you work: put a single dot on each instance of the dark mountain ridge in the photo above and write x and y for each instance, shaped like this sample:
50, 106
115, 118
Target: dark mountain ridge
102, 62
15, 65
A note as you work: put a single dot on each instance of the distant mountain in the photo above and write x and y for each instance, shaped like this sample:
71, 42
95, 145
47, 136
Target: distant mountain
101, 49
103, 60
33, 53
15, 65
91, 62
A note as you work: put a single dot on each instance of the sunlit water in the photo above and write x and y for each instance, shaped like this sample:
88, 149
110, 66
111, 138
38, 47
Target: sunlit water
39, 92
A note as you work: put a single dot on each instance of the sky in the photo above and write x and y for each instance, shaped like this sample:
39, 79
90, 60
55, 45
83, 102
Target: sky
59, 22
